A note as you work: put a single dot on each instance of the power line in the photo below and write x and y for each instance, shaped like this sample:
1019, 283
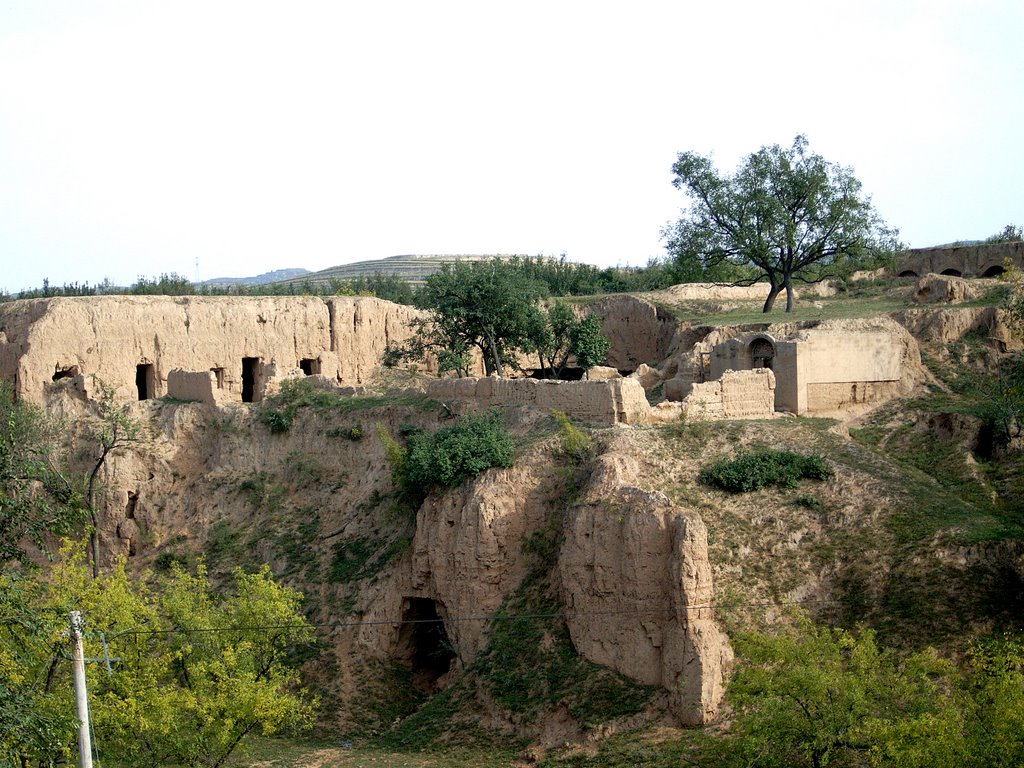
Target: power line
462, 619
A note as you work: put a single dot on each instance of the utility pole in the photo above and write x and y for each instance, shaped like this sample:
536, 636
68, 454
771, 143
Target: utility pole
81, 699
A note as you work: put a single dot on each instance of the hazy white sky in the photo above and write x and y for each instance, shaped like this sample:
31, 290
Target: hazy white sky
137, 137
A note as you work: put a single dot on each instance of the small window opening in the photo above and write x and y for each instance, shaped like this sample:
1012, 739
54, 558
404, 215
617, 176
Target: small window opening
309, 365
219, 374
952, 272
423, 643
250, 370
65, 373
145, 380
762, 353
129, 508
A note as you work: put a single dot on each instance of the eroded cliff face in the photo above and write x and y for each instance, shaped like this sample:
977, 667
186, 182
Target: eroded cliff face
638, 588
133, 342
321, 509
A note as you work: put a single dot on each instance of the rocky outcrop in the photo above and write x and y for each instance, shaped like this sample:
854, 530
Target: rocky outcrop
947, 325
944, 289
637, 584
637, 330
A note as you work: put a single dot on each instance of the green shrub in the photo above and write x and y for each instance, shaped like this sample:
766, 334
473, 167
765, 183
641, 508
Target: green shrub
446, 458
450, 455
576, 444
759, 469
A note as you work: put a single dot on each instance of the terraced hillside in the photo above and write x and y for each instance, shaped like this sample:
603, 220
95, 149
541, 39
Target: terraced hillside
411, 268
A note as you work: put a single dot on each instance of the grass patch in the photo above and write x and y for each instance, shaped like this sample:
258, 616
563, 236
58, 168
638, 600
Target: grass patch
359, 558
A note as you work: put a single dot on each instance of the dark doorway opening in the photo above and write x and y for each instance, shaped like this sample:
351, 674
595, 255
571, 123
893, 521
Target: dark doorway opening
908, 273
952, 272
65, 373
250, 369
423, 643
145, 380
994, 271
309, 366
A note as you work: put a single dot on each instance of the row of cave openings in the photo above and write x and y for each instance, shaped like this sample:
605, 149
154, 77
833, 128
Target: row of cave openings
993, 271
145, 376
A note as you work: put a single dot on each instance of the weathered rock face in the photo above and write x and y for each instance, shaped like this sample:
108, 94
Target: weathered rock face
943, 289
133, 342
638, 591
638, 331
947, 325
467, 556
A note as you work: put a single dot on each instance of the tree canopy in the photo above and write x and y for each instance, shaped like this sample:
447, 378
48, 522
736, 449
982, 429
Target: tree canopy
481, 304
785, 214
195, 671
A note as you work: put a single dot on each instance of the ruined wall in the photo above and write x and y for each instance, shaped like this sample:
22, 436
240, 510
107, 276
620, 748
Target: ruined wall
737, 395
618, 401
978, 260
197, 386
836, 360
109, 336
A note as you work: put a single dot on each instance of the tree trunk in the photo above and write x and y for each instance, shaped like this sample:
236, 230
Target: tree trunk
494, 352
789, 295
770, 301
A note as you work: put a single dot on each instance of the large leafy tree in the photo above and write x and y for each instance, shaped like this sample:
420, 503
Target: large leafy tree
486, 305
196, 670
785, 215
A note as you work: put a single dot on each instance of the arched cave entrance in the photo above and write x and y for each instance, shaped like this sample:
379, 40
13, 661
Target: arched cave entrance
993, 271
423, 643
762, 353
952, 272
908, 273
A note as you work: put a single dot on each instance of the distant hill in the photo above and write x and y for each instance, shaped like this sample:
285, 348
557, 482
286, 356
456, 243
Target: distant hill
411, 268
266, 277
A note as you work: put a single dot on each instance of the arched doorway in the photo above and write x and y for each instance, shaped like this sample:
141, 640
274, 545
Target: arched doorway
762, 353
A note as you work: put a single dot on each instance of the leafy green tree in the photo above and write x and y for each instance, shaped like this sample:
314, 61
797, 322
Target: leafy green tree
196, 672
481, 304
814, 696
784, 215
35, 498
1011, 233
587, 344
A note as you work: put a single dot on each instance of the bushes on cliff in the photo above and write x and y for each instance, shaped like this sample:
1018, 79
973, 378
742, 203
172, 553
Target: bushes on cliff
759, 469
450, 455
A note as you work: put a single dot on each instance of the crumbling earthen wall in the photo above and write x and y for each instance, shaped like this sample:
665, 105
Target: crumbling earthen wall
737, 395
197, 386
43, 340
616, 401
